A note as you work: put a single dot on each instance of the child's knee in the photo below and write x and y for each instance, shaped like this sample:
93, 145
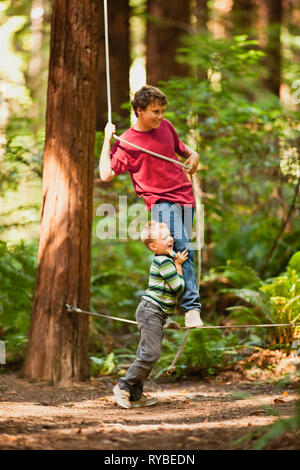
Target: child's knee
150, 356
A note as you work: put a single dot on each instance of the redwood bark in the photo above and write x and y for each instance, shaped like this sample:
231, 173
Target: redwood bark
119, 58
58, 341
167, 21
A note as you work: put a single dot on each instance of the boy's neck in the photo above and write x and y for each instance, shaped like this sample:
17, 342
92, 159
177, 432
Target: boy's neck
139, 126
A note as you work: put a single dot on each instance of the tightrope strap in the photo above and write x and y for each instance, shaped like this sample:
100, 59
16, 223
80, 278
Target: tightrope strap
79, 310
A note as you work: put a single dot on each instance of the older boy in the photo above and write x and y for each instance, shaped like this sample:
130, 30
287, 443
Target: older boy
166, 282
163, 185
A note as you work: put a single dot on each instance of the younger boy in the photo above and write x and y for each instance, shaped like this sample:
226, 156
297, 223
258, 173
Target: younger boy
166, 282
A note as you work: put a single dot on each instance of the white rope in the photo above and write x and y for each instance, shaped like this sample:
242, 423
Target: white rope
79, 310
107, 62
109, 94
150, 152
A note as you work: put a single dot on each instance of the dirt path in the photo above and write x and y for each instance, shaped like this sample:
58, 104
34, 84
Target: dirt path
193, 414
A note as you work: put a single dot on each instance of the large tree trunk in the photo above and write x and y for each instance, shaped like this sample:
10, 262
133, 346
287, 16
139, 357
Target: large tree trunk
118, 29
58, 341
167, 21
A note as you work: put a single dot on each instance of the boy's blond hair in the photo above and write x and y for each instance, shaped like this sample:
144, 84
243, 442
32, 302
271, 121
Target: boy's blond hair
152, 231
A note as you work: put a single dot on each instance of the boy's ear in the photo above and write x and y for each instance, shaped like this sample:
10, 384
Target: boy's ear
152, 246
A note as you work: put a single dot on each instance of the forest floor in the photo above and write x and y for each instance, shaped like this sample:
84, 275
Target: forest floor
199, 413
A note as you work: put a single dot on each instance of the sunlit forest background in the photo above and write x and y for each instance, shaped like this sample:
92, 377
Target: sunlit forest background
234, 94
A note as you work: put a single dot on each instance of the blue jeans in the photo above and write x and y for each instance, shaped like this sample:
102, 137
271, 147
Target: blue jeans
179, 219
150, 319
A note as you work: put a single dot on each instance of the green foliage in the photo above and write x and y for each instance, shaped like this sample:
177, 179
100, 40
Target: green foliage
205, 353
17, 278
276, 300
103, 366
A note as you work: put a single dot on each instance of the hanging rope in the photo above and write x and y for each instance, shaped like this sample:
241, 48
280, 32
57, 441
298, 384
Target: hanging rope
107, 62
195, 182
154, 154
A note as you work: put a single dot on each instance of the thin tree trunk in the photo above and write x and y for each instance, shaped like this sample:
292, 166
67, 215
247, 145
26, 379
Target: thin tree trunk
243, 15
200, 11
35, 64
273, 48
119, 58
58, 341
167, 21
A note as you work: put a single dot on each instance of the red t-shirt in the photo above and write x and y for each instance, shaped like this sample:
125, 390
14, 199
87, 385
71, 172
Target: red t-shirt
153, 178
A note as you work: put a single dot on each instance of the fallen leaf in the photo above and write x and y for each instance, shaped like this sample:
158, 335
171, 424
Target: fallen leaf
256, 413
249, 424
285, 393
186, 402
278, 400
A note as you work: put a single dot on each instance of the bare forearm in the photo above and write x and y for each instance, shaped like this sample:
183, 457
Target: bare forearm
189, 152
179, 268
105, 162
105, 169
192, 159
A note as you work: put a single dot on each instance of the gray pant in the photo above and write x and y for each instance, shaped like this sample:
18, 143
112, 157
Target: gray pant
150, 319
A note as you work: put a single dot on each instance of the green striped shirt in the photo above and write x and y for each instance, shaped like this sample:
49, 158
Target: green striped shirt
165, 284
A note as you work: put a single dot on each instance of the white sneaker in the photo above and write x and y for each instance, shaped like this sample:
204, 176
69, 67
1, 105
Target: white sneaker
192, 319
171, 324
144, 401
122, 397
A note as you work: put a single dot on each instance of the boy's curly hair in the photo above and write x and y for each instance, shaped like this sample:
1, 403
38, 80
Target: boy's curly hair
152, 231
146, 95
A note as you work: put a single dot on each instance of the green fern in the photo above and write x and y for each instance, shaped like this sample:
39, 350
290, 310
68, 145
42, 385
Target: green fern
205, 352
17, 278
273, 301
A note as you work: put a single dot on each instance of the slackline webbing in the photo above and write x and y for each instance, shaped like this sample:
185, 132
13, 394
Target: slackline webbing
79, 310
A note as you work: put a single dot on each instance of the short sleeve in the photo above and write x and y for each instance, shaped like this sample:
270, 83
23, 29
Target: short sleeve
179, 146
119, 159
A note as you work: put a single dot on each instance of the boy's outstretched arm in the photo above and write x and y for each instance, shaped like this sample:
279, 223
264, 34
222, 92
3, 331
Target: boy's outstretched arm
105, 169
192, 159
